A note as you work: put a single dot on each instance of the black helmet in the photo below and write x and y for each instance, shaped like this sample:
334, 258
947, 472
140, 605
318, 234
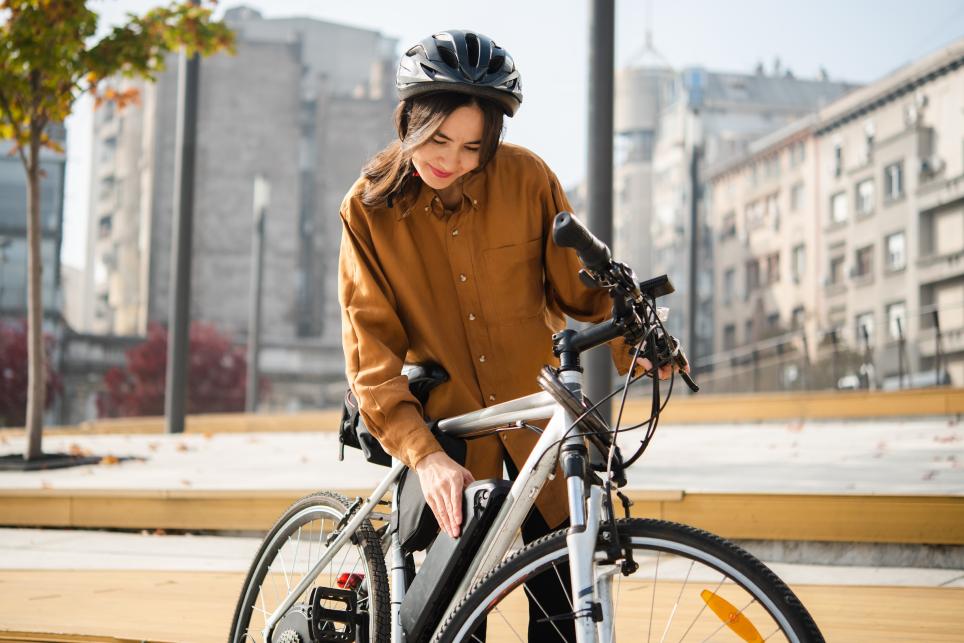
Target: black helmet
460, 61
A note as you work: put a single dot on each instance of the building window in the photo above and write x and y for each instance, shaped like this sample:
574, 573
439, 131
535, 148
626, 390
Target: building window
773, 322
798, 263
773, 268
865, 197
796, 197
752, 276
837, 159
836, 273
729, 225
896, 255
729, 337
797, 318
865, 329
867, 154
773, 210
864, 262
106, 187
896, 320
754, 214
838, 207
104, 226
748, 330
729, 285
894, 181
797, 154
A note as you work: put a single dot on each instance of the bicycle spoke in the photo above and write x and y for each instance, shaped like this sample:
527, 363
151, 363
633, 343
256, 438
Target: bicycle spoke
700, 613
543, 610
564, 588
652, 604
672, 614
509, 624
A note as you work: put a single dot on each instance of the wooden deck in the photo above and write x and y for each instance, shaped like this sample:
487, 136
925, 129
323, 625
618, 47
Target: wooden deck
826, 517
196, 606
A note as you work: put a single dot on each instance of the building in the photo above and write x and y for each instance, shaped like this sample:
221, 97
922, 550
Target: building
303, 103
665, 119
847, 227
13, 229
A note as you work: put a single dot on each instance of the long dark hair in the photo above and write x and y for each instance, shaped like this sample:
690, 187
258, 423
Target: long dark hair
389, 173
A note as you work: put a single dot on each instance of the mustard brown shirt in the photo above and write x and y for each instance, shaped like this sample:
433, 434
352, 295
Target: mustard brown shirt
480, 291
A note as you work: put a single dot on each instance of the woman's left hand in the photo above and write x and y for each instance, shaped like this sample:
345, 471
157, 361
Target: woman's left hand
665, 371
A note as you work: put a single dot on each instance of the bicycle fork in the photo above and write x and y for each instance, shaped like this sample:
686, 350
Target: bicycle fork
591, 605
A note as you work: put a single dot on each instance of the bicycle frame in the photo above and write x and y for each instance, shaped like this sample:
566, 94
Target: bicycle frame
534, 473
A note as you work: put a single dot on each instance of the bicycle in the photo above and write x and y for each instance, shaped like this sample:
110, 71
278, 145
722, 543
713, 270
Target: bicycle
680, 583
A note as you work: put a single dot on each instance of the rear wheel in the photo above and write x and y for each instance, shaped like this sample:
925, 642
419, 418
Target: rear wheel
690, 586
290, 549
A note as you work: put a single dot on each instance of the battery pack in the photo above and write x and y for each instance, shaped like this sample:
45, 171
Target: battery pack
448, 559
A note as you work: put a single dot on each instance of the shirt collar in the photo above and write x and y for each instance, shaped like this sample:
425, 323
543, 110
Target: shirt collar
427, 201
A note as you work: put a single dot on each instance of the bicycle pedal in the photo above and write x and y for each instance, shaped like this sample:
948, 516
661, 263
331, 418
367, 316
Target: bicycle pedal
329, 624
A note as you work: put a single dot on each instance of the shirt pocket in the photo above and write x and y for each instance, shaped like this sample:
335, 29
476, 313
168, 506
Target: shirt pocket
515, 287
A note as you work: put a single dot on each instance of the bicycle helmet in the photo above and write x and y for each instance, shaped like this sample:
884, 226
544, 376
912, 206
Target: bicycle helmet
460, 61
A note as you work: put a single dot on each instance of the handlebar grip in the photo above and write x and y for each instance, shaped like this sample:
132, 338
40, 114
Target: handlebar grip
569, 232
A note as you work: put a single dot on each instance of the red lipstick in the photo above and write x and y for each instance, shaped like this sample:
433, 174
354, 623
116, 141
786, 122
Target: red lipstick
439, 173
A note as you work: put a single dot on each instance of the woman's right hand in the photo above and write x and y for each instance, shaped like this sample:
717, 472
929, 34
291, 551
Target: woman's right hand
442, 480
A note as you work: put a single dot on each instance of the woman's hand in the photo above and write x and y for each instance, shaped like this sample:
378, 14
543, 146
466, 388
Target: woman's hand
443, 480
665, 371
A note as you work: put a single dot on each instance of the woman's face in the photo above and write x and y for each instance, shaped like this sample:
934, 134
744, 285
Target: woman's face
453, 151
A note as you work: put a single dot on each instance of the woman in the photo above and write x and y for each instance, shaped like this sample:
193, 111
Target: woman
447, 256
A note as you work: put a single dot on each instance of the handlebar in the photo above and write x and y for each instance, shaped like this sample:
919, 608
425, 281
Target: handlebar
569, 232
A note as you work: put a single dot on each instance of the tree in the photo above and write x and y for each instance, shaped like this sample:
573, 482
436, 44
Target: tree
217, 373
13, 368
48, 57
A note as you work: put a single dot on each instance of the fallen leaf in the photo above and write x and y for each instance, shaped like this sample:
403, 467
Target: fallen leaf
208, 435
153, 446
109, 460
182, 447
159, 532
78, 451
186, 483
929, 475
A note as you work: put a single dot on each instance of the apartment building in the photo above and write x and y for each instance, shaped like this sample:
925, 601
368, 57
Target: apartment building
303, 103
847, 227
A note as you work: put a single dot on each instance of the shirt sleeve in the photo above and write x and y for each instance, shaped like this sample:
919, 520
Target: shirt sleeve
565, 292
375, 344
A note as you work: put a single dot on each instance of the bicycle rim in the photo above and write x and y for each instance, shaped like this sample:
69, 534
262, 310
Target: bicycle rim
290, 551
690, 586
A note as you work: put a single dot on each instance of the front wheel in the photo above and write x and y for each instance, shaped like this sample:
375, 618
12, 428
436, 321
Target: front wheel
690, 585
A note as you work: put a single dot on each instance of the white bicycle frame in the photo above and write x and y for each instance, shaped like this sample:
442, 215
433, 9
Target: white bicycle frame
585, 515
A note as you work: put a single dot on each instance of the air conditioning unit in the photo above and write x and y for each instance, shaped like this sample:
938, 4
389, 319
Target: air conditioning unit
931, 165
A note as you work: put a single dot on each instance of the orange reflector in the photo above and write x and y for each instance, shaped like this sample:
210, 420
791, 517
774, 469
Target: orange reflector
731, 617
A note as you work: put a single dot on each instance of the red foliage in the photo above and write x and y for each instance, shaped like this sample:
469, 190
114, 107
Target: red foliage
216, 376
13, 373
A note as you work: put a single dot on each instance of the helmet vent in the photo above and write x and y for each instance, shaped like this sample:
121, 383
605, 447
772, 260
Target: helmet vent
496, 64
472, 43
449, 57
428, 70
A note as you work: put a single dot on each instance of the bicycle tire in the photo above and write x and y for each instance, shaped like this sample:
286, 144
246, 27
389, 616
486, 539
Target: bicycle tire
331, 506
648, 537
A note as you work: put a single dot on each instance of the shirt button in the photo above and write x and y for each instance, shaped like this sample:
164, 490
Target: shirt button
481, 358
455, 232
463, 278
471, 317
474, 202
492, 398
426, 208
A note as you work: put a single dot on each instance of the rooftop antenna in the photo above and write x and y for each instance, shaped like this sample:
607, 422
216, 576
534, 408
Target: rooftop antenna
648, 55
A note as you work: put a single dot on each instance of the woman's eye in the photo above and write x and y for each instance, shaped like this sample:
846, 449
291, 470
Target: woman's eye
472, 149
438, 141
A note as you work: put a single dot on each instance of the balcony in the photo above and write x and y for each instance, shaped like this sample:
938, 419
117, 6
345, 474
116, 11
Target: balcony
952, 341
934, 268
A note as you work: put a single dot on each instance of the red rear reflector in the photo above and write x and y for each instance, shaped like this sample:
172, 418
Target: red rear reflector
350, 581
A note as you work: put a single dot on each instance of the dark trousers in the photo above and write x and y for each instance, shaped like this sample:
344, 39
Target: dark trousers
549, 592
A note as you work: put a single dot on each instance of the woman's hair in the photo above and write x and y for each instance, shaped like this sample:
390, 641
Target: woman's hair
389, 173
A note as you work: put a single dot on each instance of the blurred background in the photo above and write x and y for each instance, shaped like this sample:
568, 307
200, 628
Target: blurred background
815, 150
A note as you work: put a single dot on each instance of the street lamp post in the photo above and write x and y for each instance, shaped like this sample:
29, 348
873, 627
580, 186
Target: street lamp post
262, 197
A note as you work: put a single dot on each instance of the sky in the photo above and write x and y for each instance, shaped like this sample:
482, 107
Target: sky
856, 41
